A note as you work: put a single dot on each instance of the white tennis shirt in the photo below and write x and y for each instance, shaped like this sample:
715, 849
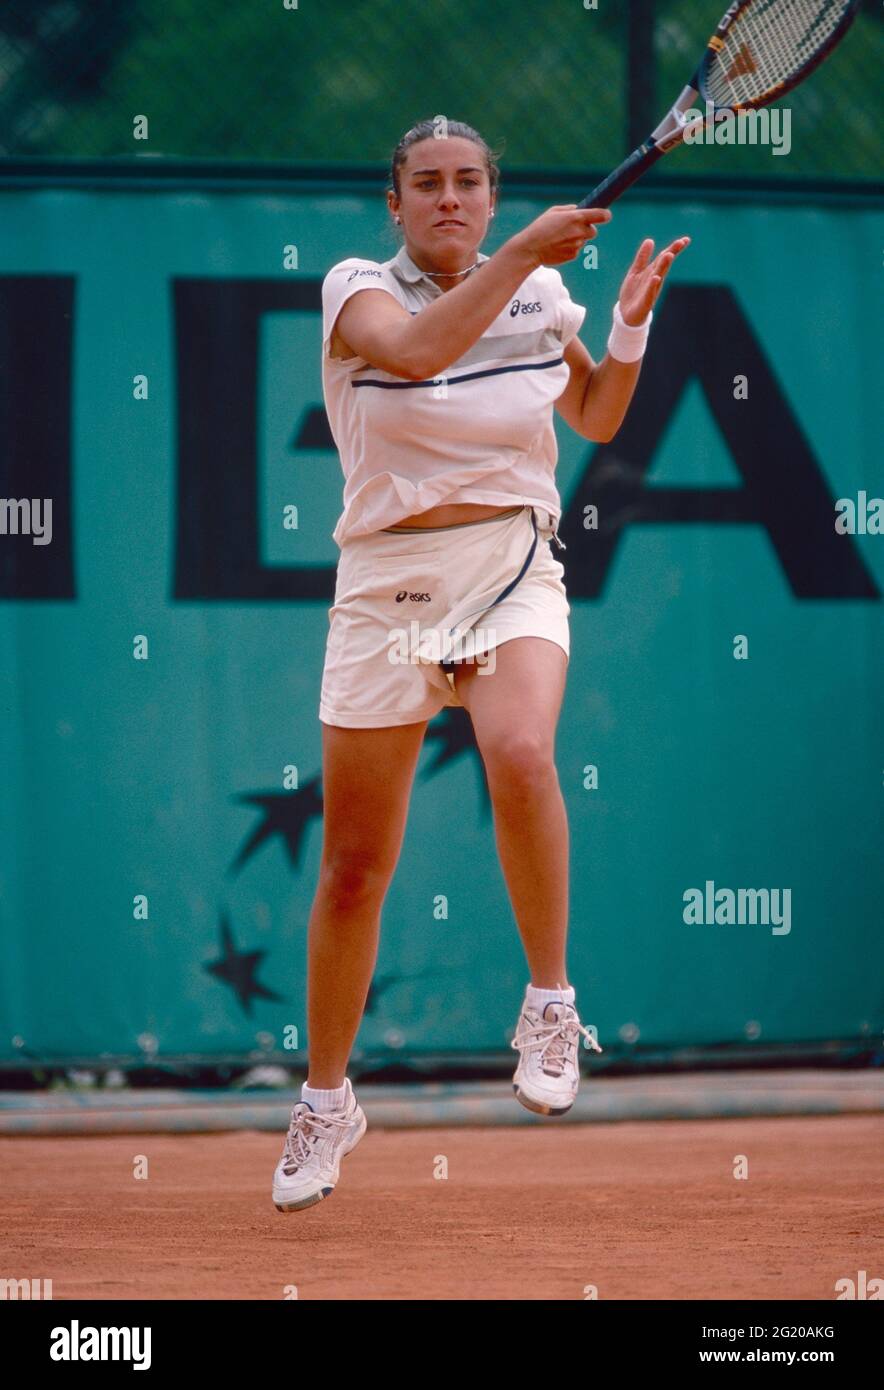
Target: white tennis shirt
483, 432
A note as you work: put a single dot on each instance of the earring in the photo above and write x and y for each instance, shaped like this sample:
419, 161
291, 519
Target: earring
398, 221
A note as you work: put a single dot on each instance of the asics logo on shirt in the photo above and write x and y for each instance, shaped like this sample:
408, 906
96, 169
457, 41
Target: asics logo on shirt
517, 307
415, 598
354, 273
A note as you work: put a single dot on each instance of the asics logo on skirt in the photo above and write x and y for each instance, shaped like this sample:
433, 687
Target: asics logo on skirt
415, 598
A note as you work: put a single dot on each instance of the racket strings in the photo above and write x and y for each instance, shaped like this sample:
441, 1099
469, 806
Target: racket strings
769, 42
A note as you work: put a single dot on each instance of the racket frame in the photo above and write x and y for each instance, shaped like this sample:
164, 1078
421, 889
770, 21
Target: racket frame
672, 129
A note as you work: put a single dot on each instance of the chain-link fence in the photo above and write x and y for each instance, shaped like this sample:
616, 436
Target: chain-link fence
557, 84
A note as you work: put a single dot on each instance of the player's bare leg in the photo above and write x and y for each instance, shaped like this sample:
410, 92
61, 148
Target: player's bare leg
515, 709
367, 780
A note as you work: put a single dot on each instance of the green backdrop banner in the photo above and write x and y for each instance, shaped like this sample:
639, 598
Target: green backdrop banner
163, 624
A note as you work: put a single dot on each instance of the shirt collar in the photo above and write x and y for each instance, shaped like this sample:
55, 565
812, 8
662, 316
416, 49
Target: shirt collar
407, 269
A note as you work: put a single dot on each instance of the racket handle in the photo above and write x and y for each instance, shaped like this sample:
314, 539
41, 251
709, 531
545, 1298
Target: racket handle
609, 190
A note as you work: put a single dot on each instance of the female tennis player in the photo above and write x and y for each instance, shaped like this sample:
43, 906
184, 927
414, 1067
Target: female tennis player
441, 368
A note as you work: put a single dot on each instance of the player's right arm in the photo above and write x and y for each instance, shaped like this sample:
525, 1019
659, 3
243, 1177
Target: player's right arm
374, 325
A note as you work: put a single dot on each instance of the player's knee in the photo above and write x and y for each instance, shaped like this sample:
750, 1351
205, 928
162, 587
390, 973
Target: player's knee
518, 763
349, 881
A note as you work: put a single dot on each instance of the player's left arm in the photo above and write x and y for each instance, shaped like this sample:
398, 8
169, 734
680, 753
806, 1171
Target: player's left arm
596, 399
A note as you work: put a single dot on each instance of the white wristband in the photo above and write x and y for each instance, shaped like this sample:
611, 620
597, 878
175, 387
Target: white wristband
627, 342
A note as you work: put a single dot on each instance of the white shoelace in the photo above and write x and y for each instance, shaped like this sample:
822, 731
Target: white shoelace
555, 1039
305, 1130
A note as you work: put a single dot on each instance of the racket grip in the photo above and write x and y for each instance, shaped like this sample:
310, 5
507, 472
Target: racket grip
609, 190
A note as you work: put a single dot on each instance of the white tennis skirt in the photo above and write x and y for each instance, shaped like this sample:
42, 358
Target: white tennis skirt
410, 604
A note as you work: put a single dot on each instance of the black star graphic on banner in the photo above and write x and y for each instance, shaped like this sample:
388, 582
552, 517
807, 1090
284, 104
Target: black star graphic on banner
237, 968
452, 732
285, 813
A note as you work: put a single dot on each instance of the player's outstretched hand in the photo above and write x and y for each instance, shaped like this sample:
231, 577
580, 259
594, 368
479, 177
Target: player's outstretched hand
560, 233
645, 277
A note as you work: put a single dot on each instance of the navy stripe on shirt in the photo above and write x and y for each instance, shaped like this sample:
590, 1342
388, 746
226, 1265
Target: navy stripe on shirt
455, 380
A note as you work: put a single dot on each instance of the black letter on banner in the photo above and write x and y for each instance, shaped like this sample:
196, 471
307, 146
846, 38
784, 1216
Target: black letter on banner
217, 545
702, 332
36, 328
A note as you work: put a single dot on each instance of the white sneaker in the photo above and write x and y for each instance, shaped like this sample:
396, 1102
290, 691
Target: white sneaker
548, 1074
314, 1146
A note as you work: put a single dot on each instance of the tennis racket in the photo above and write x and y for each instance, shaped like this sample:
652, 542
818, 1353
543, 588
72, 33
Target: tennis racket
760, 50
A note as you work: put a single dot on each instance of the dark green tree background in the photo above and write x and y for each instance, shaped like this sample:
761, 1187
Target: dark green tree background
338, 81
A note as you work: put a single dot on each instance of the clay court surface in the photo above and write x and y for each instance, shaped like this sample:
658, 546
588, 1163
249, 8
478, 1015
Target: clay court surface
644, 1210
